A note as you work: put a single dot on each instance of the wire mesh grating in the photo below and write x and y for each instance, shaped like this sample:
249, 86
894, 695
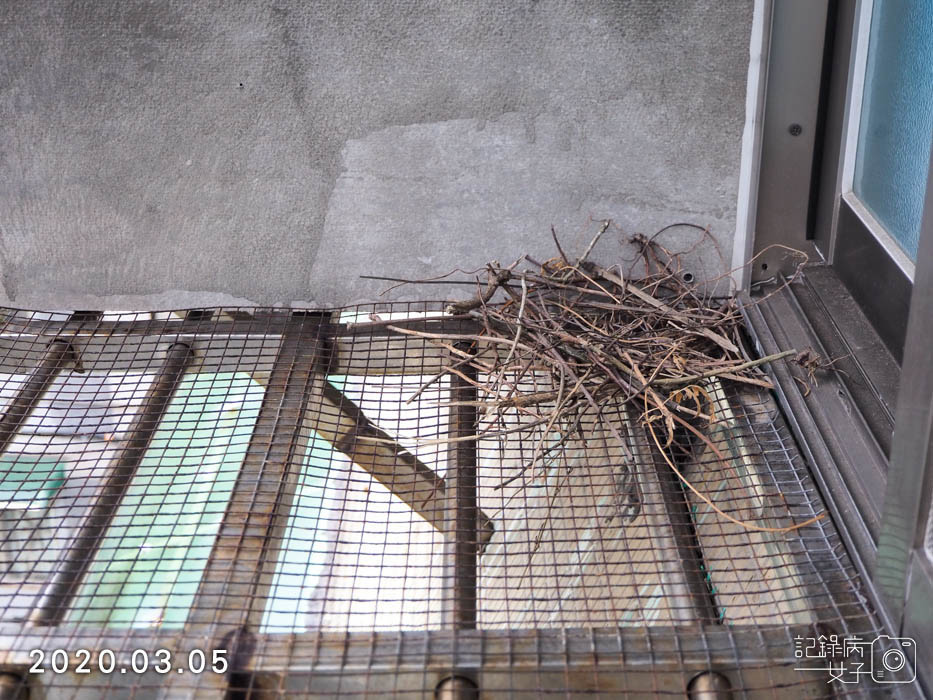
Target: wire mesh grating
265, 502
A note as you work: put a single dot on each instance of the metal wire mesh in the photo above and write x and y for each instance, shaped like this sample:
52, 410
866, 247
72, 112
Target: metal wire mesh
259, 502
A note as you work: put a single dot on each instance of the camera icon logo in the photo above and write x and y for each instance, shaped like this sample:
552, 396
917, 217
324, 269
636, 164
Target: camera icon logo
893, 659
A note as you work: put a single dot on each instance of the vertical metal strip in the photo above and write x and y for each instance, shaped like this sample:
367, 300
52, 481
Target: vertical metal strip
239, 572
463, 510
53, 603
462, 529
907, 501
57, 355
665, 510
789, 135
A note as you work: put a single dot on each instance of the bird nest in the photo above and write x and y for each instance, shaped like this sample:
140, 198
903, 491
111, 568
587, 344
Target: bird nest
605, 337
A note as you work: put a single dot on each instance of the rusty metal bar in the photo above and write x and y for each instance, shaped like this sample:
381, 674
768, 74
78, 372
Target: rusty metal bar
234, 588
194, 321
223, 345
463, 511
53, 603
57, 355
607, 660
462, 526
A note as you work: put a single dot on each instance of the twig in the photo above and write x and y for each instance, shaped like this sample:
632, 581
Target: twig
610, 337
559, 249
589, 248
731, 369
518, 321
707, 501
500, 277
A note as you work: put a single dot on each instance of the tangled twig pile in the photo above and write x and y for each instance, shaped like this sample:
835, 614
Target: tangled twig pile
652, 342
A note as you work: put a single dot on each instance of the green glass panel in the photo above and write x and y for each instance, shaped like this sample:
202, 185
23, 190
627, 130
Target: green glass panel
29, 480
896, 127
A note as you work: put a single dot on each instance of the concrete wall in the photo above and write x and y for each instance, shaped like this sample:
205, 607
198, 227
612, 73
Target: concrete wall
174, 153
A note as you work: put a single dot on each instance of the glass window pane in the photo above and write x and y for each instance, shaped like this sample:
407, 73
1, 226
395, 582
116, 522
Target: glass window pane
897, 118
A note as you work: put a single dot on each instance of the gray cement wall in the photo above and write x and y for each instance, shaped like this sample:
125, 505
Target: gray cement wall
157, 154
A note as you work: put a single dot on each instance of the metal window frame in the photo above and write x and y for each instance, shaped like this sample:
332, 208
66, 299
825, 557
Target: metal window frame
792, 121
904, 574
805, 198
829, 420
873, 268
887, 533
861, 35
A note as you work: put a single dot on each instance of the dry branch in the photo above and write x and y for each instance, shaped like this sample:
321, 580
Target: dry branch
601, 336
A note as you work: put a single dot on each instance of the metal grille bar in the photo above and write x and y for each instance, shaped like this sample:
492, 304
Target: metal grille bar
677, 509
463, 512
51, 607
239, 570
56, 355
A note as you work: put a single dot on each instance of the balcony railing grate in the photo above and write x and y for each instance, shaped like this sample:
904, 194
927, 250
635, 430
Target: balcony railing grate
267, 502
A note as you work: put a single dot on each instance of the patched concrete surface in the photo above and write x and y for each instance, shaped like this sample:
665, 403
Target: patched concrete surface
177, 154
